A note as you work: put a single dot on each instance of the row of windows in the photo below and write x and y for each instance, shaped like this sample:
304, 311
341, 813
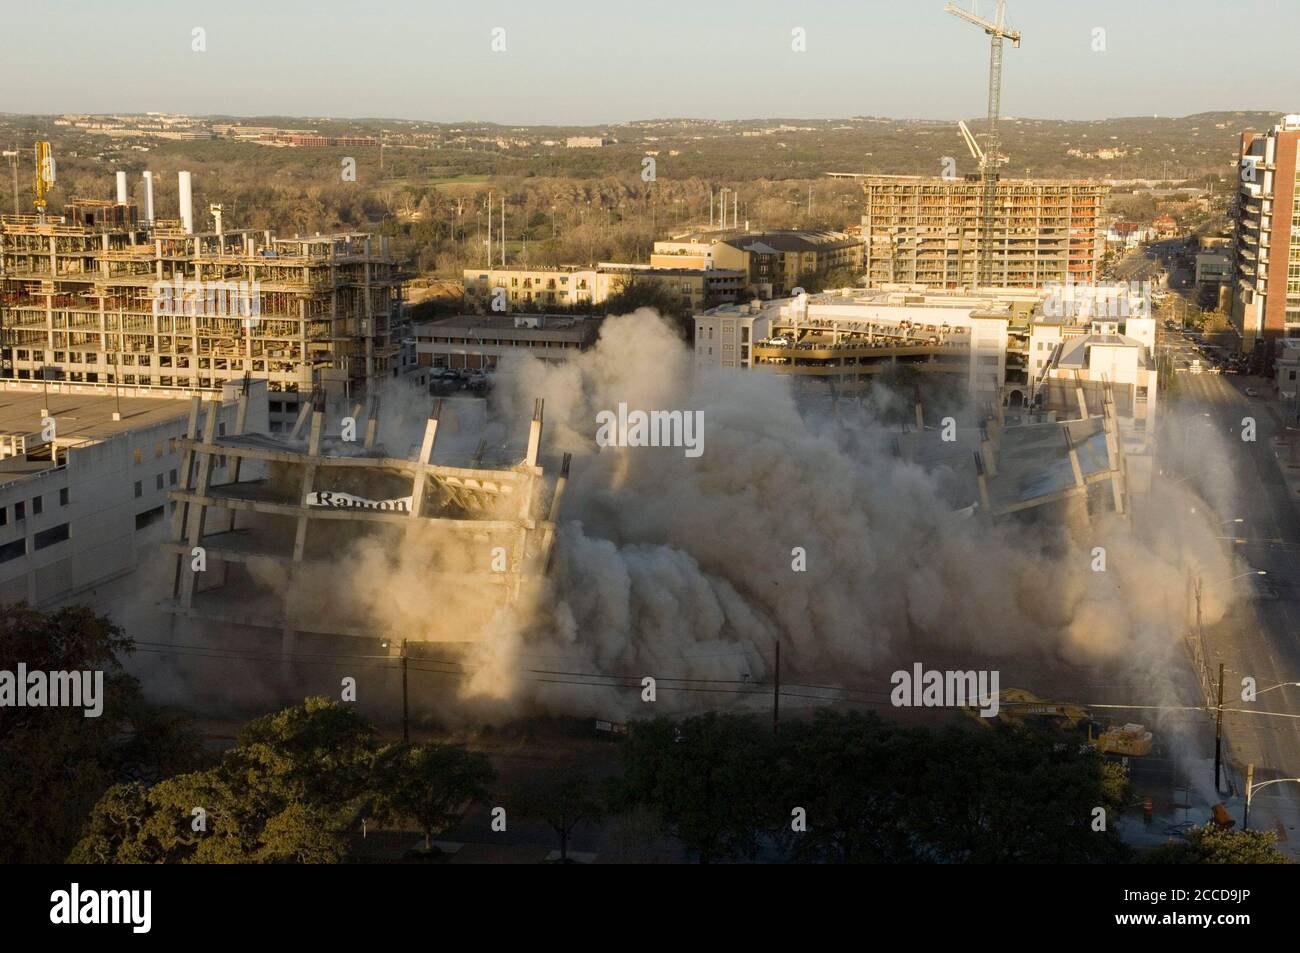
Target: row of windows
158, 480
38, 507
45, 538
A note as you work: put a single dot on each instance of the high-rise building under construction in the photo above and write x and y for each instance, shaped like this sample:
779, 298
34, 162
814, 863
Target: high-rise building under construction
926, 231
108, 299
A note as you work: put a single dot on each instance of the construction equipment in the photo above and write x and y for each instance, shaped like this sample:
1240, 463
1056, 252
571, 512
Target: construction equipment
990, 158
44, 175
1019, 707
1220, 818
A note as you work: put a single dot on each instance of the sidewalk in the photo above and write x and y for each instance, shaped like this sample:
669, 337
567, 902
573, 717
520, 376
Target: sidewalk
1285, 442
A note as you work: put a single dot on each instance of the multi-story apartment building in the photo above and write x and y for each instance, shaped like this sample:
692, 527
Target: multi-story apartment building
926, 231
673, 254
777, 262
546, 287
104, 297
725, 335
541, 286
695, 288
1266, 297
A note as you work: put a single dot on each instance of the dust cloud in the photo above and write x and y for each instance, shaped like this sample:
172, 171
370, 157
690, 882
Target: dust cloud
685, 568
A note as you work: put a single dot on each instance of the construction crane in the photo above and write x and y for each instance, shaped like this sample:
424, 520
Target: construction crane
990, 158
44, 175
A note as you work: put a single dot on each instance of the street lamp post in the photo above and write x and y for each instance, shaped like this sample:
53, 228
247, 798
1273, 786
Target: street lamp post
1251, 788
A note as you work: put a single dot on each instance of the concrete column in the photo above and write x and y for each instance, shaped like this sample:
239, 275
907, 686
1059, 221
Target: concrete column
420, 484
198, 514
309, 473
534, 434
372, 422
1074, 457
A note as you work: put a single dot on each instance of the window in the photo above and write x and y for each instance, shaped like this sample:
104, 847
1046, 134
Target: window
139, 490
48, 537
171, 477
20, 512
63, 497
15, 550
138, 456
158, 481
148, 517
38, 505
4, 515
158, 449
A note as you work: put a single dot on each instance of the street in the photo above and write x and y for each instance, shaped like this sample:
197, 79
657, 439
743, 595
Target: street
1259, 637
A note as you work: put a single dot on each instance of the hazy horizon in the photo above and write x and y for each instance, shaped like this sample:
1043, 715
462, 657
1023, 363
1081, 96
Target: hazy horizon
584, 63
939, 120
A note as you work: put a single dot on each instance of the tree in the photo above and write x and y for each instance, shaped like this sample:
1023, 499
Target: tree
429, 783
1025, 796
562, 796
851, 773
44, 750
707, 777
1212, 845
637, 293
284, 794
317, 753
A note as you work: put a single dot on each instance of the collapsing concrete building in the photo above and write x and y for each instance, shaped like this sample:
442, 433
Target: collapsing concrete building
328, 534
1051, 461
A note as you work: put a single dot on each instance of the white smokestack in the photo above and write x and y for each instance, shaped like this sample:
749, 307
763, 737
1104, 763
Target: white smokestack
148, 196
187, 202
121, 188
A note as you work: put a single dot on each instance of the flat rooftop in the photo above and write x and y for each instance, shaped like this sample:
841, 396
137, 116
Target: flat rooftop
503, 327
82, 418
1074, 354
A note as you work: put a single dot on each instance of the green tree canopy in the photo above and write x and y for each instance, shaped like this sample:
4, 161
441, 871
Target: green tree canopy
284, 794
563, 796
429, 783
55, 762
1213, 845
709, 777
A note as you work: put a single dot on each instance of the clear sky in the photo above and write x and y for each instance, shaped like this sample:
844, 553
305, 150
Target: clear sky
589, 62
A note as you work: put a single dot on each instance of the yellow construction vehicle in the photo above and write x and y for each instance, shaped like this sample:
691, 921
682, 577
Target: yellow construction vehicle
1019, 707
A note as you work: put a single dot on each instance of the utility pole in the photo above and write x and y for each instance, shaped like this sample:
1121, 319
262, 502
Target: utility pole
1218, 731
776, 692
406, 718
